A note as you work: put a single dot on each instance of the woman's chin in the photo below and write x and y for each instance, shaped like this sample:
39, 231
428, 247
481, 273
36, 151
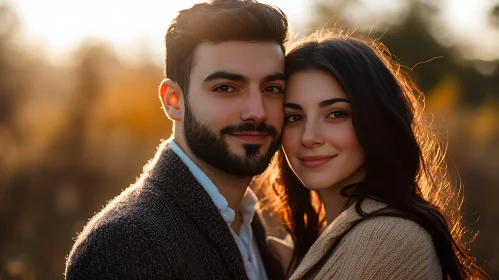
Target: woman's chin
317, 184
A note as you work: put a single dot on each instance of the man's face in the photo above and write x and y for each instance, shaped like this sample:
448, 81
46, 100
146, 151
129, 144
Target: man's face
233, 114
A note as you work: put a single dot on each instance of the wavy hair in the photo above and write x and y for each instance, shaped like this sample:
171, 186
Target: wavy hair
404, 157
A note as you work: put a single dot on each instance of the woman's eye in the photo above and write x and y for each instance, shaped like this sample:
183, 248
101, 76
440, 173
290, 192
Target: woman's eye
293, 118
273, 89
337, 114
224, 88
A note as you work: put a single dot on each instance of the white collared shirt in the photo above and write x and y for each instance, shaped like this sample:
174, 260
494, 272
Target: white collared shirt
245, 242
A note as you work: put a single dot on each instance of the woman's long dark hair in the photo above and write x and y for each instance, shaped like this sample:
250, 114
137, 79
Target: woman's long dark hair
404, 158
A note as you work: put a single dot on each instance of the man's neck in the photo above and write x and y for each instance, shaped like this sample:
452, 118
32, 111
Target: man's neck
230, 186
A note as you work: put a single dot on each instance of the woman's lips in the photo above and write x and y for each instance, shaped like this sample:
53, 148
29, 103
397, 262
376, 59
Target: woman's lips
314, 161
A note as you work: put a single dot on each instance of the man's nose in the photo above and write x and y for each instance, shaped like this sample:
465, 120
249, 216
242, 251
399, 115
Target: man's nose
254, 107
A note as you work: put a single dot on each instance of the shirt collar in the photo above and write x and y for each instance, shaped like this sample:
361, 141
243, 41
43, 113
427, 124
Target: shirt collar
248, 205
248, 202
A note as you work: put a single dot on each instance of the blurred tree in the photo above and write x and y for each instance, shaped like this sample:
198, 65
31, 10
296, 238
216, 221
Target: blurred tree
111, 126
16, 73
10, 66
494, 16
415, 38
68, 182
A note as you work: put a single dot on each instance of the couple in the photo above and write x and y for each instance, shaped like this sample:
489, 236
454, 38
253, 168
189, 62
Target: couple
358, 178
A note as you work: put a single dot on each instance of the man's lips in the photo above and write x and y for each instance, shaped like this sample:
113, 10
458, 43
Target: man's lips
315, 161
251, 137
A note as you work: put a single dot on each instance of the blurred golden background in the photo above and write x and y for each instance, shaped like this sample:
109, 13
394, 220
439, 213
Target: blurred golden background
80, 116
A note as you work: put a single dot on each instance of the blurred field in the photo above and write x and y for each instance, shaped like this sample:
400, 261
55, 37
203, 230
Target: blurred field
73, 136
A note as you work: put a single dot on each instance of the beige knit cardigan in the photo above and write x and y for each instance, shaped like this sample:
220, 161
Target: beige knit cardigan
377, 248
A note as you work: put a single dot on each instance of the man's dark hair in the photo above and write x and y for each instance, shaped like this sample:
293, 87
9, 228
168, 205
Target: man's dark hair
219, 21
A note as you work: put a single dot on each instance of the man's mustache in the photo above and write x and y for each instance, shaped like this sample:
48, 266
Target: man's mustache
249, 127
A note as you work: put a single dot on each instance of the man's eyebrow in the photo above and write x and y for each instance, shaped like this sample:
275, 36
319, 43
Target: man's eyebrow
293, 106
332, 101
278, 76
226, 76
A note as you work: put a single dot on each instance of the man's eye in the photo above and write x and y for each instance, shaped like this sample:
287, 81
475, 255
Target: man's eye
293, 118
224, 88
273, 89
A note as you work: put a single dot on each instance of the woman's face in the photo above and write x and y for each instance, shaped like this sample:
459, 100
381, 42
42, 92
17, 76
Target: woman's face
318, 138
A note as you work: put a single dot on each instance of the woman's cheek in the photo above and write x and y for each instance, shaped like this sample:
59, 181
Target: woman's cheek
289, 141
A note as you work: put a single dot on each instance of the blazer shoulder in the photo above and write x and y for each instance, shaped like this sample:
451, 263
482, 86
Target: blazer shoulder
141, 201
134, 220
113, 248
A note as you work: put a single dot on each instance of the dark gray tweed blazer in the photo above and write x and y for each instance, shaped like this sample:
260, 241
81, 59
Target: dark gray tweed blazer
165, 226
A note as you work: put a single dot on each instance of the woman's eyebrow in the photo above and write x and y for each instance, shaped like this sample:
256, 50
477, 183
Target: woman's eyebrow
332, 101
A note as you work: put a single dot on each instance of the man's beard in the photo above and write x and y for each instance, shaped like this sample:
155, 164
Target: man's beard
214, 150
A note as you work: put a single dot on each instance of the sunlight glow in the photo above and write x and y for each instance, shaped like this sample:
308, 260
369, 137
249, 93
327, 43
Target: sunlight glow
132, 25
62, 24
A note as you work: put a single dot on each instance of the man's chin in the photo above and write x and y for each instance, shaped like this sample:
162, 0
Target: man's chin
248, 165
251, 160
247, 170
247, 150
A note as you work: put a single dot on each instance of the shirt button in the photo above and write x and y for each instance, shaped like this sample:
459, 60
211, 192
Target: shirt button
225, 215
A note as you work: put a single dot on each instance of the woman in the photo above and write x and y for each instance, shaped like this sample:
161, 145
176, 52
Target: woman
365, 171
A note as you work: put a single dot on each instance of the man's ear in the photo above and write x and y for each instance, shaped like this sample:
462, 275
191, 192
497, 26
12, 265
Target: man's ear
170, 94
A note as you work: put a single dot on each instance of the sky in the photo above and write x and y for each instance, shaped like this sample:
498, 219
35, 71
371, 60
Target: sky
59, 25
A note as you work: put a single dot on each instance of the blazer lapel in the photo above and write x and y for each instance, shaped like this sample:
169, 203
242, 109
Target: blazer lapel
181, 186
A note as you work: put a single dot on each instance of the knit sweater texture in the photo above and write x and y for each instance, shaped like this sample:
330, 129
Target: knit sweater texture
376, 248
165, 226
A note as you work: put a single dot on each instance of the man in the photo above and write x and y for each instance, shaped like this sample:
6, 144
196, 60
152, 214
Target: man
191, 214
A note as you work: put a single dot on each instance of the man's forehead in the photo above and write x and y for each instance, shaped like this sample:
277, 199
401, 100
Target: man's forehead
211, 47
245, 58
